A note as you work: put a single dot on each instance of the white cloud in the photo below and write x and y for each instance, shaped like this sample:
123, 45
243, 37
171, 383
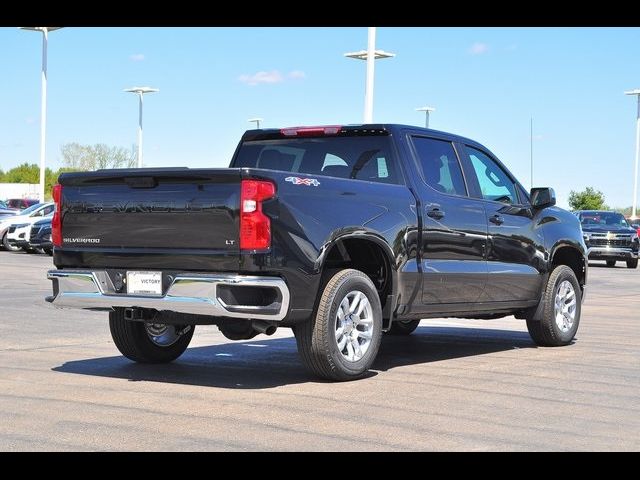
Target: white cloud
297, 75
136, 57
478, 48
274, 76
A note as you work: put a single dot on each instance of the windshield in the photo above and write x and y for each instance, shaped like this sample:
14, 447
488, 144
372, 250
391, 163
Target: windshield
603, 218
363, 158
29, 210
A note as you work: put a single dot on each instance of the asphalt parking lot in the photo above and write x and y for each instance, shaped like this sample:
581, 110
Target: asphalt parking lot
452, 385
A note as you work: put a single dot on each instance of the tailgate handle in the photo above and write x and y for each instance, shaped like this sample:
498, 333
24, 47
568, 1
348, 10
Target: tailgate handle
141, 182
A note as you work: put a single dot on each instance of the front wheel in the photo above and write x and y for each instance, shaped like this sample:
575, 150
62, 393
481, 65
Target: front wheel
148, 342
632, 263
7, 245
341, 341
561, 313
611, 263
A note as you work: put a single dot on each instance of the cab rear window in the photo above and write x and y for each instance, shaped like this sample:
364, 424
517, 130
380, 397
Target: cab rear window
366, 158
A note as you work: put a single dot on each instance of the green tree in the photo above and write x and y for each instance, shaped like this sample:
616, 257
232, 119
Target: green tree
30, 173
25, 173
94, 157
587, 199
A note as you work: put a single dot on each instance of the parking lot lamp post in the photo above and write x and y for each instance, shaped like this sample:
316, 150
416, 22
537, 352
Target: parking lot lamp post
636, 92
140, 91
426, 110
370, 55
43, 102
257, 121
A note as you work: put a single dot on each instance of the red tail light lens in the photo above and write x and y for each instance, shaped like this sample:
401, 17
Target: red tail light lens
310, 131
56, 221
255, 226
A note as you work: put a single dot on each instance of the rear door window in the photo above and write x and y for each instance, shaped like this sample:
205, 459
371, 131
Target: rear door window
440, 166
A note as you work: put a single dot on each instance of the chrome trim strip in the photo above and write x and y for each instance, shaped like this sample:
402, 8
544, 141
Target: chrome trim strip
188, 293
607, 250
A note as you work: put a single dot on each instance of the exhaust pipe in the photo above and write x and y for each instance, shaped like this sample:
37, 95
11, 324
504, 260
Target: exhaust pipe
263, 327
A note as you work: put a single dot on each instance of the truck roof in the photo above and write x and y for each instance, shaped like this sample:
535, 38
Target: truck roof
374, 128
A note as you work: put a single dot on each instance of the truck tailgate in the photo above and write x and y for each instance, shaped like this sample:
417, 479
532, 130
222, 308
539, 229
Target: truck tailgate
151, 209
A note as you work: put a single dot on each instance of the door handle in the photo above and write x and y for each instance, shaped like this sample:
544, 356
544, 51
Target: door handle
496, 219
435, 213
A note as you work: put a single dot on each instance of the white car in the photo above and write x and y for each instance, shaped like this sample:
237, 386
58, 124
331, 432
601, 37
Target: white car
18, 234
27, 216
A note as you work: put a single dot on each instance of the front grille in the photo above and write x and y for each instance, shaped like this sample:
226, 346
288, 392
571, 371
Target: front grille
603, 242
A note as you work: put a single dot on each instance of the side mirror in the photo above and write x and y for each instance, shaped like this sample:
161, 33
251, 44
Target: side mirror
542, 197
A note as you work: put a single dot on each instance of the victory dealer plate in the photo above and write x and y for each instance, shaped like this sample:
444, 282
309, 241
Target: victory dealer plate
144, 283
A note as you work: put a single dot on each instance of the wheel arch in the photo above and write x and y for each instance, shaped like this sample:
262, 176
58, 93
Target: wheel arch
568, 254
370, 253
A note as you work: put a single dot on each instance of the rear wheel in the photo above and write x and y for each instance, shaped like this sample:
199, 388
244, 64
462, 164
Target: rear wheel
341, 341
632, 263
404, 327
561, 314
148, 342
611, 263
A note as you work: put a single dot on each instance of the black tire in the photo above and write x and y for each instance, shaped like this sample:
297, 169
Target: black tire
632, 263
611, 263
48, 251
8, 246
135, 343
545, 332
316, 338
405, 327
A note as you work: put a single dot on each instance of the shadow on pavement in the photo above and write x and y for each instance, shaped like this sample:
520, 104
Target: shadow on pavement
274, 362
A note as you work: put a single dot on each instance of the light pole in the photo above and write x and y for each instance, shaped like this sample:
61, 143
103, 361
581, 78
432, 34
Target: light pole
426, 110
257, 121
140, 91
531, 150
370, 54
43, 102
636, 92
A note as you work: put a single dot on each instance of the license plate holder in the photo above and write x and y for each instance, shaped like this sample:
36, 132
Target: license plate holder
144, 283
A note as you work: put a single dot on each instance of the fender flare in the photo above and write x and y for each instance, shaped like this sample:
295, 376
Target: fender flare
374, 237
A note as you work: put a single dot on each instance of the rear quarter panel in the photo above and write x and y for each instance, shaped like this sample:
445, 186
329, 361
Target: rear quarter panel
308, 217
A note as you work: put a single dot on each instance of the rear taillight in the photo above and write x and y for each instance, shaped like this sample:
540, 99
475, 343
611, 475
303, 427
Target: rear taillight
255, 227
56, 221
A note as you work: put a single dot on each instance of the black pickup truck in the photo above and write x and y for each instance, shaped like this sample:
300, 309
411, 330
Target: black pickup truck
339, 232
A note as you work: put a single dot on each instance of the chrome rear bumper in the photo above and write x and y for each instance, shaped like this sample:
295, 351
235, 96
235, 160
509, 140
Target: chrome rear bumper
188, 293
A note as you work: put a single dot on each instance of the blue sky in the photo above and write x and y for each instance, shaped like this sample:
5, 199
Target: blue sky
484, 82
